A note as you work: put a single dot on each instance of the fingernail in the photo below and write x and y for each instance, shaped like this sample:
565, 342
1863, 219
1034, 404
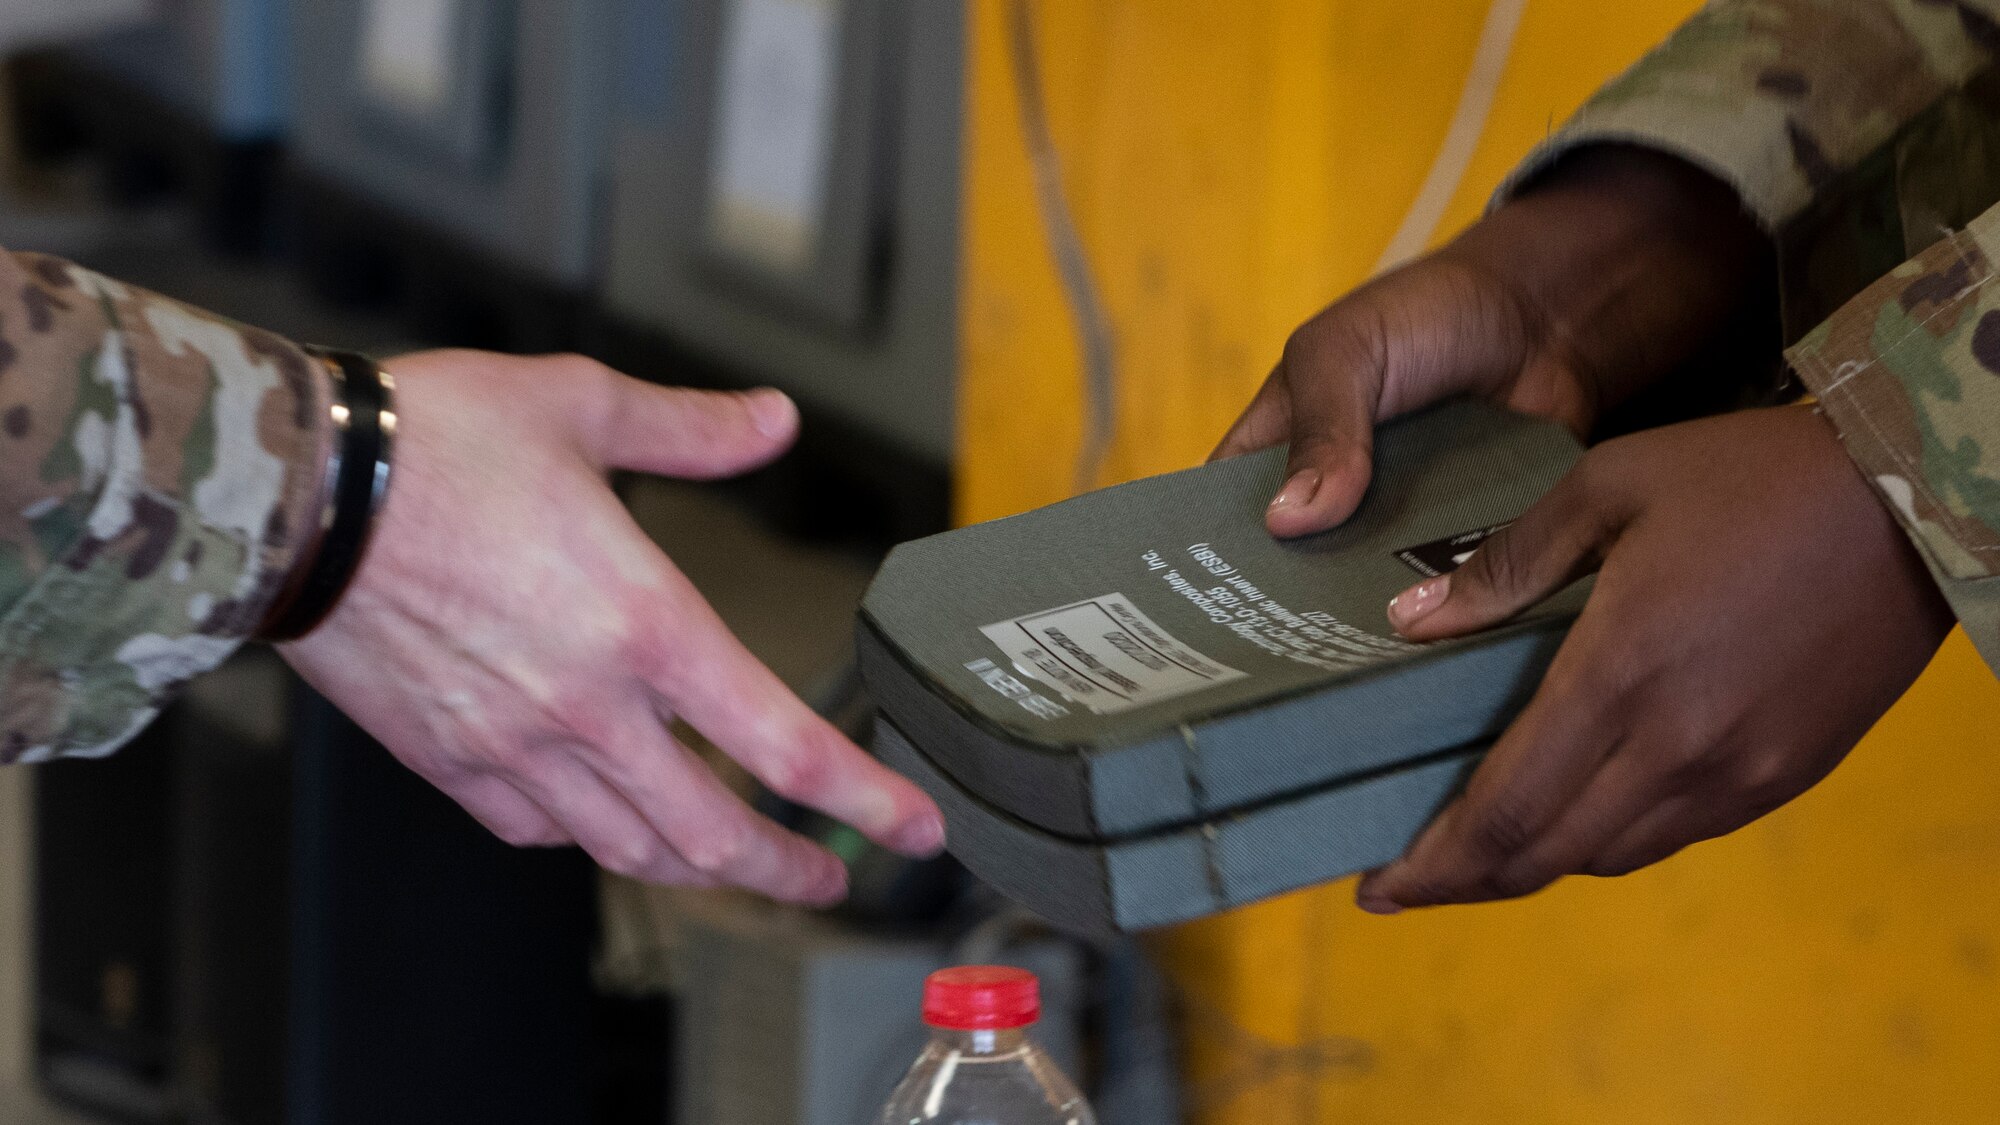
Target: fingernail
1418, 602
834, 889
1381, 907
773, 412
1298, 491
924, 837
1369, 897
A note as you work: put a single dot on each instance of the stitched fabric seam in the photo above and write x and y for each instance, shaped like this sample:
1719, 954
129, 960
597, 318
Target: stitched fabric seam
1882, 443
1210, 861
1839, 388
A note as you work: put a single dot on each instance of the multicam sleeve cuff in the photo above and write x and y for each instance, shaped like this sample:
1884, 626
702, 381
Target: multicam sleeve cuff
1909, 373
159, 469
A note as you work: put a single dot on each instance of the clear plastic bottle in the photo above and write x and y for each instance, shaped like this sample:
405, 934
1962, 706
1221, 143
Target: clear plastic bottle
981, 1067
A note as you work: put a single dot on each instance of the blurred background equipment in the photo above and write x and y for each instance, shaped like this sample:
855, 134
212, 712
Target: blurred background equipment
438, 974
784, 205
105, 996
24, 26
17, 919
256, 916
449, 159
192, 98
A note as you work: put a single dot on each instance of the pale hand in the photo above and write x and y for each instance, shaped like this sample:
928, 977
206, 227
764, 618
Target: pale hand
514, 638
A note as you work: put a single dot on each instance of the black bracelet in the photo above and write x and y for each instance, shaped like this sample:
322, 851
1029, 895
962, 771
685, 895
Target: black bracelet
357, 475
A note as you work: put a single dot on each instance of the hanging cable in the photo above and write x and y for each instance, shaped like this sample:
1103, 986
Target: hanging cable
1461, 138
1093, 325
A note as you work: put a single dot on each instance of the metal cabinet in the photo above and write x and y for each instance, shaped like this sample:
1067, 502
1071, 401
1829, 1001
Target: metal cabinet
784, 199
254, 915
221, 62
192, 100
481, 121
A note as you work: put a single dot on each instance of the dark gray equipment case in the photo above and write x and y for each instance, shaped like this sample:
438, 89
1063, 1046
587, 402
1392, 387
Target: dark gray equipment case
1137, 708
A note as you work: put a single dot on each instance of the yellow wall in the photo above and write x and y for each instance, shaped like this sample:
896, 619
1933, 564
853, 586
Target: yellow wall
1233, 166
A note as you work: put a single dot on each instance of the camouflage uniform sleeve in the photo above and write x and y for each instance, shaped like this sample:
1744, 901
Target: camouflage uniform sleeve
1856, 131
1865, 136
158, 472
1909, 373
1781, 97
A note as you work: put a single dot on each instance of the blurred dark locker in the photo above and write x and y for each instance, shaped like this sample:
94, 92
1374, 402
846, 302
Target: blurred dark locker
439, 975
104, 950
193, 101
243, 928
783, 209
448, 159
162, 928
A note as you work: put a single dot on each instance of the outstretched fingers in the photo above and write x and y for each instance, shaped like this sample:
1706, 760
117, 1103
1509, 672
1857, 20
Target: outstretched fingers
693, 435
706, 676
709, 828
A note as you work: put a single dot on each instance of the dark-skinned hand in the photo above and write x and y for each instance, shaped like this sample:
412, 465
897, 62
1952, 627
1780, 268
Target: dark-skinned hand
1563, 304
1756, 610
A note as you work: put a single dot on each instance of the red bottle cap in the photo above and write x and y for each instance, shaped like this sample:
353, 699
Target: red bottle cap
982, 998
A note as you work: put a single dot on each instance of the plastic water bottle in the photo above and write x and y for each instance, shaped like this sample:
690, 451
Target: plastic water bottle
981, 1067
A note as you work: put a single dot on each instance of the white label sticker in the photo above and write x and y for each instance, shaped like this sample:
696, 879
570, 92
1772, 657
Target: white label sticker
775, 122
1104, 654
406, 53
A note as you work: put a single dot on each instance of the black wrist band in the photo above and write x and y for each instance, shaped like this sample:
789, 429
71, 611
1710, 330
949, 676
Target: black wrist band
357, 471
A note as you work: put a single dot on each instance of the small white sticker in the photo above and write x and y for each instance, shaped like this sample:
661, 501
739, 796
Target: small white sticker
406, 53
775, 126
1104, 654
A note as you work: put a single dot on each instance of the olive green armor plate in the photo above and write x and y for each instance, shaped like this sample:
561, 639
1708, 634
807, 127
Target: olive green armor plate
1143, 679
